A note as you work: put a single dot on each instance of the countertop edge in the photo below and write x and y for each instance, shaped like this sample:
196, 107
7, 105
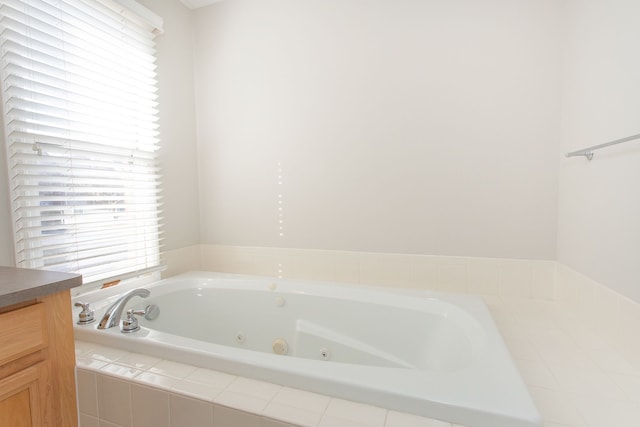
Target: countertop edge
18, 285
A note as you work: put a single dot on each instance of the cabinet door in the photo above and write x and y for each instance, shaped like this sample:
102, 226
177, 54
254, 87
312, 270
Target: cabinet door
22, 396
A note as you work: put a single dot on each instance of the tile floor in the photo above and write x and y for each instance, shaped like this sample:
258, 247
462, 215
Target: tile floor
575, 378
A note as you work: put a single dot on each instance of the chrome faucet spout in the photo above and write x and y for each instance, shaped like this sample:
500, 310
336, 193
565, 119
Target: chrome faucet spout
113, 314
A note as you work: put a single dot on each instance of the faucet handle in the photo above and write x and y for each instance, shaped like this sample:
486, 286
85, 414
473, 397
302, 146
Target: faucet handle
131, 312
86, 315
130, 323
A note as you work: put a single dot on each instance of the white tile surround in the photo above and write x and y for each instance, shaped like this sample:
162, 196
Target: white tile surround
486, 276
575, 342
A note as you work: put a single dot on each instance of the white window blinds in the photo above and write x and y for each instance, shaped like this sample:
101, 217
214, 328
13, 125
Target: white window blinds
79, 101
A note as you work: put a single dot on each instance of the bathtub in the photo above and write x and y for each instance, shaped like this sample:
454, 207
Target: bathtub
430, 354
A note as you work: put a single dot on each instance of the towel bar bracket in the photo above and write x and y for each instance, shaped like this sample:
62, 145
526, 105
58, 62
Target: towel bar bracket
587, 154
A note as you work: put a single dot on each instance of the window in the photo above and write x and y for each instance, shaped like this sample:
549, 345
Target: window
78, 86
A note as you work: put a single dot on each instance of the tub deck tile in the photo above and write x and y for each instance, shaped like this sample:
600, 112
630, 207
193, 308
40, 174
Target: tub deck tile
120, 371
241, 402
212, 378
291, 414
197, 390
137, 360
172, 369
306, 400
106, 354
331, 421
158, 381
358, 413
88, 363
400, 419
254, 388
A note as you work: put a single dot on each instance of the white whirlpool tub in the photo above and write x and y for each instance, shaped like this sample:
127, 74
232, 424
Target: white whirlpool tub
435, 355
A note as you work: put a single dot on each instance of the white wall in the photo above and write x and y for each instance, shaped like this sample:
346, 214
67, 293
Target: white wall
396, 126
178, 154
599, 201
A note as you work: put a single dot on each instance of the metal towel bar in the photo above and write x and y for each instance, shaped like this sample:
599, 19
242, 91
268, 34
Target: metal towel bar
588, 152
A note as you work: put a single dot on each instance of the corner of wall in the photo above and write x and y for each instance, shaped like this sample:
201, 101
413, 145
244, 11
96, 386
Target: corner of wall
182, 260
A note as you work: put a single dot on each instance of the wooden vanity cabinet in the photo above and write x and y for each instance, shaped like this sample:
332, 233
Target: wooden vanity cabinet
37, 363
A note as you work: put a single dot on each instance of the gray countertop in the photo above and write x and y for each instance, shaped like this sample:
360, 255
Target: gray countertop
20, 284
